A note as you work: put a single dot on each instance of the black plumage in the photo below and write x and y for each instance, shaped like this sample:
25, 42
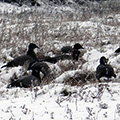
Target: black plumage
20, 60
27, 80
75, 54
104, 69
69, 49
66, 49
41, 67
118, 50
77, 46
56, 58
74, 51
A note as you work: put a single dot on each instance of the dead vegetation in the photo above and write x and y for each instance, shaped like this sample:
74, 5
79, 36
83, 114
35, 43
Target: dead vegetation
34, 26
51, 32
80, 78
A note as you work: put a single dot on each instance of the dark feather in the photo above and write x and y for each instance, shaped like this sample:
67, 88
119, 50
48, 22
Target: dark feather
104, 69
20, 60
27, 81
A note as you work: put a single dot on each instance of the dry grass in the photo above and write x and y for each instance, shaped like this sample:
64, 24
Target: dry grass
18, 30
34, 27
80, 78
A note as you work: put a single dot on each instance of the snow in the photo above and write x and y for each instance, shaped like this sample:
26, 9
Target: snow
90, 101
48, 104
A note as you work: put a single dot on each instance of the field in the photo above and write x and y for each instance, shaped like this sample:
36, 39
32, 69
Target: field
72, 92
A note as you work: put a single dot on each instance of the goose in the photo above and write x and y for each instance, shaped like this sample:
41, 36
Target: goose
27, 81
104, 69
56, 58
41, 67
20, 60
69, 49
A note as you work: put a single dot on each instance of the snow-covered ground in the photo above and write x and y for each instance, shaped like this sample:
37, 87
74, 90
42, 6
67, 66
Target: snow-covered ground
57, 100
90, 102
94, 101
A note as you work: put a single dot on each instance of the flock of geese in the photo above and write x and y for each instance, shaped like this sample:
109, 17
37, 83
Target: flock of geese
103, 69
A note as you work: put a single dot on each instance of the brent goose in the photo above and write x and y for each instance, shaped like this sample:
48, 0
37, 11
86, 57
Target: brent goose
75, 54
56, 58
66, 49
69, 49
104, 69
27, 80
40, 67
19, 61
77, 46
